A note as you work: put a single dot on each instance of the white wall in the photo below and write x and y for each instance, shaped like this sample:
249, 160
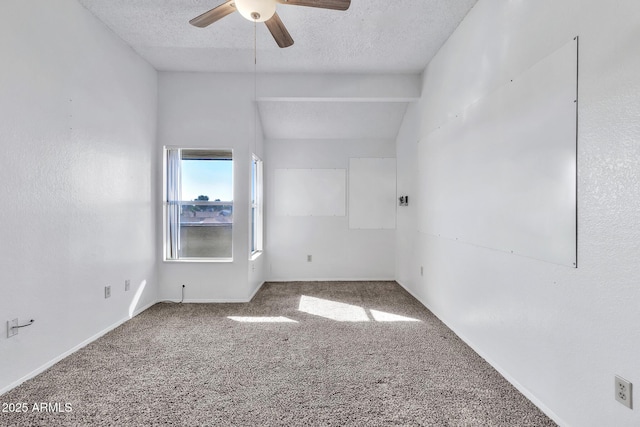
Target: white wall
216, 111
338, 253
560, 334
78, 112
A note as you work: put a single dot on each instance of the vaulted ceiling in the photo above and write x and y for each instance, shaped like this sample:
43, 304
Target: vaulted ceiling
371, 37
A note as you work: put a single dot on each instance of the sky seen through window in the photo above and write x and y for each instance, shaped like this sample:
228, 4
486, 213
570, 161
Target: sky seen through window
212, 178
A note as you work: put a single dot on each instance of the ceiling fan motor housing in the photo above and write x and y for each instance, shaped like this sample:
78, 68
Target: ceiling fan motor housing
256, 10
264, 11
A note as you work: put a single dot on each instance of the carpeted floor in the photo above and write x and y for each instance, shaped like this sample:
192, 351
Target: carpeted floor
300, 354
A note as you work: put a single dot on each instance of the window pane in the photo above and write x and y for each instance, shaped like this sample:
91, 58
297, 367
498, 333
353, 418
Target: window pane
209, 214
199, 203
210, 178
206, 230
253, 182
253, 230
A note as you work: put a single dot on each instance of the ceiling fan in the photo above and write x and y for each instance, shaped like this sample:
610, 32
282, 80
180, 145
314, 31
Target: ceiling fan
265, 11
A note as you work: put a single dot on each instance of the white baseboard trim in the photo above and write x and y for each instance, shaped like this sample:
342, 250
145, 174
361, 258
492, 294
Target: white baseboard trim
67, 353
253, 294
215, 300
240, 300
212, 301
522, 389
208, 301
334, 279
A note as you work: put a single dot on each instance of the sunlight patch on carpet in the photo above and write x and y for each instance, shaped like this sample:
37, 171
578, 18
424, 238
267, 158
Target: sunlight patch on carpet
271, 319
381, 316
333, 310
342, 312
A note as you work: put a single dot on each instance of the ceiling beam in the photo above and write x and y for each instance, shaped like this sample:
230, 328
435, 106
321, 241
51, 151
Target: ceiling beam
294, 87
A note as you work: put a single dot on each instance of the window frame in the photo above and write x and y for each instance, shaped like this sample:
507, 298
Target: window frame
165, 203
256, 207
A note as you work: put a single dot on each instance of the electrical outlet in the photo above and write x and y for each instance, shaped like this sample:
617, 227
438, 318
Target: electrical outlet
127, 285
623, 391
107, 291
309, 258
12, 328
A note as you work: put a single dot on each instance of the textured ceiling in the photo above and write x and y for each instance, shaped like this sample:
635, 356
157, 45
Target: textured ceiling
373, 36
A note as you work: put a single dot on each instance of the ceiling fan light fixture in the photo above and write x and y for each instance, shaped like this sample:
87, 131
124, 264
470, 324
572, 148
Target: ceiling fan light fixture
256, 10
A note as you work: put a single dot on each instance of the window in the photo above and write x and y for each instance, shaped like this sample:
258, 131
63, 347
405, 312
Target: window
198, 204
256, 205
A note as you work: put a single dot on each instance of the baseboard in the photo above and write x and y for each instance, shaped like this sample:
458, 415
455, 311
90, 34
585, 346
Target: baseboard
209, 301
67, 353
240, 300
522, 389
256, 290
334, 279
216, 300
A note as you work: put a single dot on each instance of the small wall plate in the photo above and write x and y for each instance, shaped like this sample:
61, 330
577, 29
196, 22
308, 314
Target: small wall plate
12, 328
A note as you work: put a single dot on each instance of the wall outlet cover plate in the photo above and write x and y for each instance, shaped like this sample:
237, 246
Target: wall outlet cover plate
623, 391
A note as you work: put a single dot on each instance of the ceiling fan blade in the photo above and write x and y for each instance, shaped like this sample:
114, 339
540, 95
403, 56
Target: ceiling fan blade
279, 31
324, 4
213, 15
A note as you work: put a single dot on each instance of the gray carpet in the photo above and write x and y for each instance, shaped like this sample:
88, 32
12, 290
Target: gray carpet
347, 360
